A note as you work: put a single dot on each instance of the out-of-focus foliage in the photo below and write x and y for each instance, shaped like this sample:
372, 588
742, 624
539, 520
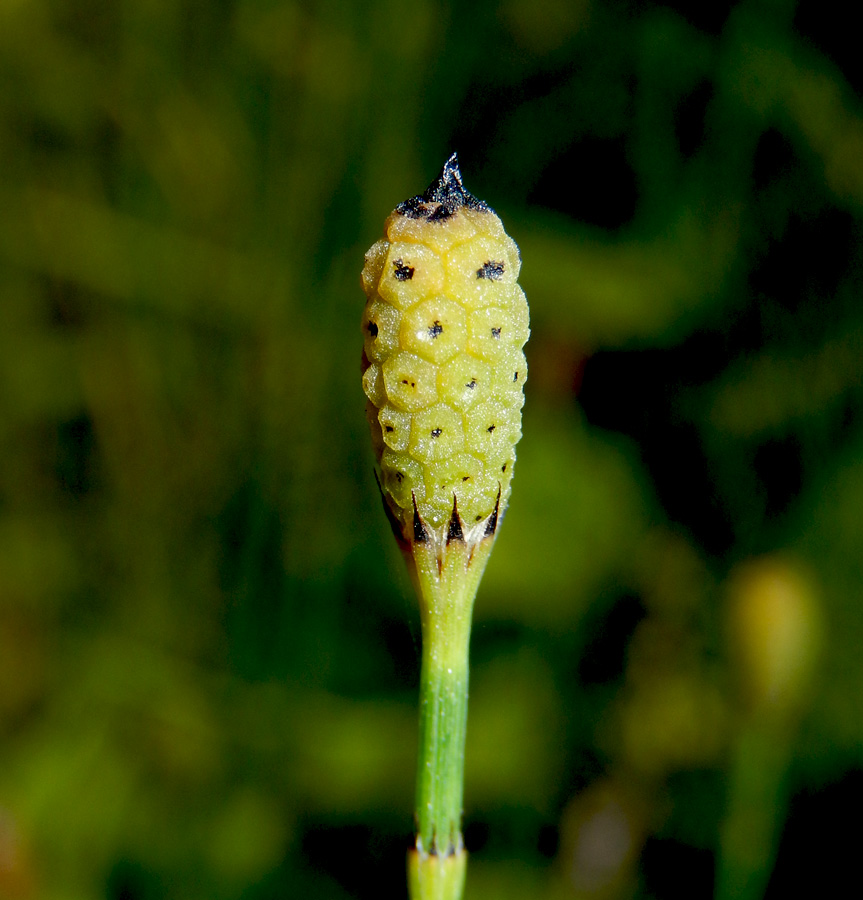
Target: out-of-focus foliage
208, 651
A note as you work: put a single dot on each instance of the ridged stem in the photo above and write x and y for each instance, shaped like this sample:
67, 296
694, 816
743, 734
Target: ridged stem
446, 577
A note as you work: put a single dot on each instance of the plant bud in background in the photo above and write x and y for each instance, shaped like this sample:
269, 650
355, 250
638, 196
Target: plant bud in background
775, 629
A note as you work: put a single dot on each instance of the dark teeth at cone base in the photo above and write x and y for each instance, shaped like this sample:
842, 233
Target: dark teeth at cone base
491, 525
455, 532
421, 534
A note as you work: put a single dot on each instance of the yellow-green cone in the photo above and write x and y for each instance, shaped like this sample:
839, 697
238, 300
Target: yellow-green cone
443, 367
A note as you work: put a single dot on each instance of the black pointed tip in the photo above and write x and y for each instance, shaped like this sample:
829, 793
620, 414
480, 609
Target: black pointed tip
443, 197
448, 189
449, 178
455, 532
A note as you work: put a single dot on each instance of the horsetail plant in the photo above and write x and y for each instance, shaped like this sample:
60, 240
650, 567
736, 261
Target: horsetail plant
443, 370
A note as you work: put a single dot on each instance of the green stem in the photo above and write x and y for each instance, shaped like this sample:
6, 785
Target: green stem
443, 724
446, 579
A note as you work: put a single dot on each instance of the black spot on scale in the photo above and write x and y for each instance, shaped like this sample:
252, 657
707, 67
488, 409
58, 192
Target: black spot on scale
388, 428
443, 197
491, 269
471, 384
402, 272
515, 376
436, 432
490, 429
373, 329
435, 329
495, 332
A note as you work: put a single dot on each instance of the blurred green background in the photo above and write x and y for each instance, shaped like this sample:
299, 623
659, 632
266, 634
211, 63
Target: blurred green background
208, 647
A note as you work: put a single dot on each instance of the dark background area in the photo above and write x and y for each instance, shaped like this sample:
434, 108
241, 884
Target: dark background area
209, 650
